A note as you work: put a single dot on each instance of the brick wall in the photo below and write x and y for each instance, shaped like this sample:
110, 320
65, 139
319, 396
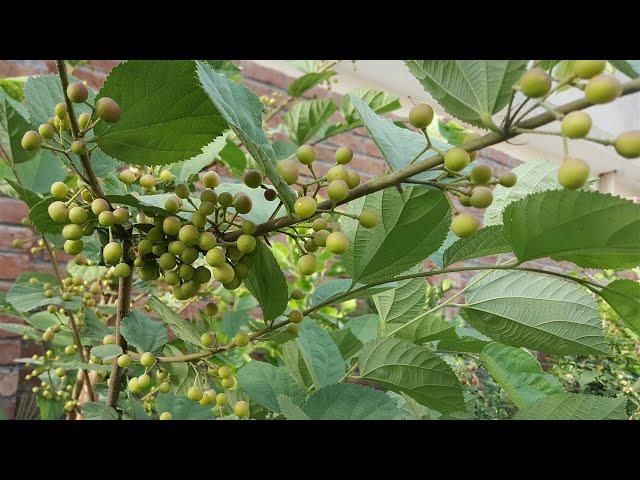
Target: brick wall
263, 81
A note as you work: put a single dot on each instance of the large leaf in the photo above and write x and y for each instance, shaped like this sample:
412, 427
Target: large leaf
590, 229
630, 68
183, 170
263, 382
290, 409
308, 81
341, 286
404, 367
471, 90
345, 401
413, 225
574, 406
14, 122
484, 242
181, 408
267, 283
464, 340
25, 297
305, 119
377, 101
403, 303
166, 116
538, 311
624, 297
320, 353
144, 333
295, 364
183, 328
243, 112
518, 373
424, 328
39, 172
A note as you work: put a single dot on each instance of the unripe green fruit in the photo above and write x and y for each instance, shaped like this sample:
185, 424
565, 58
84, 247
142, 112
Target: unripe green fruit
252, 178
310, 245
167, 261
147, 181
166, 176
72, 232
421, 116
172, 205
46, 131
206, 208
84, 120
186, 272
306, 155
307, 264
189, 255
99, 205
210, 180
241, 409
369, 219
210, 309
59, 190
481, 174
628, 144
576, 124
224, 273
124, 361
587, 69
133, 385
73, 247
207, 339
508, 179
60, 110
166, 416
194, 394
127, 176
241, 339
149, 272
337, 242
108, 110
603, 89
164, 387
198, 220
31, 140
48, 335
171, 226
207, 240
225, 199
17, 243
353, 179
293, 329
246, 243
60, 372
573, 173
464, 225
62, 123
202, 275
144, 381
228, 383
343, 155
296, 316
242, 203
106, 218
215, 257
145, 246
209, 196
535, 83
208, 397
338, 190
456, 159
221, 399
77, 92
112, 253
319, 224
66, 296
188, 234
481, 197
172, 278
121, 215
109, 340
147, 359
69, 349
248, 227
155, 235
288, 169
78, 147
305, 206
338, 172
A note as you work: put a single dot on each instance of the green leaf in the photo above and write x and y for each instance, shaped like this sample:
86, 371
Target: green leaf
264, 382
181, 376
106, 352
50, 409
14, 87
182, 328
290, 410
41, 171
464, 340
39, 216
484, 242
348, 344
412, 226
24, 194
98, 411
266, 282
144, 333
471, 90
231, 322
166, 116
377, 101
294, 362
233, 157
284, 149
181, 408
24, 297
533, 176
574, 406
20, 328
305, 119
590, 229
94, 328
243, 111
308, 81
404, 367
518, 373
537, 311
345, 401
403, 303
624, 297
425, 329
14, 122
89, 273
365, 327
631, 68
333, 288
183, 170
320, 353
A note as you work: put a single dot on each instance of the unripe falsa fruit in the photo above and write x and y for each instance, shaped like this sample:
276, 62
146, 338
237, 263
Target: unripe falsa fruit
58, 212
210, 180
46, 131
508, 179
481, 197
338, 190
194, 394
31, 140
576, 125
108, 110
305, 206
573, 173
481, 174
421, 116
628, 144
535, 83
112, 253
252, 178
307, 264
320, 237
343, 155
464, 225
456, 159
337, 242
306, 155
241, 409
147, 359
241, 339
369, 219
288, 169
242, 203
59, 190
77, 92
246, 243
587, 69
207, 339
603, 89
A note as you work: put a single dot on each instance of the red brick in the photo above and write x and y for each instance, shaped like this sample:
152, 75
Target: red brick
9, 233
370, 148
11, 68
9, 351
12, 210
93, 78
9, 383
13, 264
8, 405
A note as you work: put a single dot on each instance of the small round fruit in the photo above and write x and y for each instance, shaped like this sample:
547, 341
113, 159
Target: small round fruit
306, 155
144, 381
147, 181
421, 116
167, 261
603, 89
343, 155
202, 275
112, 253
337, 242
456, 159
206, 208
78, 216
207, 240
171, 226
241, 409
209, 196
210, 309
338, 172
124, 361
369, 219
73, 247
228, 383
194, 394
246, 243
211, 179
481, 197
224, 273
338, 190
164, 387
166, 176
353, 179
464, 225
576, 124
121, 215
106, 218
58, 212
241, 339
60, 372
182, 191
587, 69
99, 205
305, 206
122, 270
225, 199
72, 231
248, 227
188, 234
133, 385
508, 179
19, 243
31, 140
243, 204
535, 83
481, 174
78, 147
296, 316
46, 130
59, 190
270, 195
288, 169
108, 110
127, 176
307, 264
293, 329
207, 339
77, 92
84, 120
221, 399
628, 144
166, 416
224, 372
215, 257
252, 178
147, 359
573, 173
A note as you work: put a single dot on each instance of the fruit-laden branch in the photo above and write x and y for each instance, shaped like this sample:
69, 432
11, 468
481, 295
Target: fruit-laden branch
417, 167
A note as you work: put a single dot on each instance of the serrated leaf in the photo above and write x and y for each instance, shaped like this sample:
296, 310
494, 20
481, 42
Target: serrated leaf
50, 409
264, 382
25, 297
574, 406
404, 367
377, 101
537, 311
334, 288
183, 170
413, 225
590, 229
290, 410
437, 257
166, 116
308, 81
90, 273
320, 353
106, 352
484, 242
43, 93
266, 283
144, 333
519, 374
295, 363
424, 329
183, 329
464, 340
233, 157
94, 328
20, 329
39, 216
181, 408
24, 194
348, 344
98, 411
14, 87
14, 122
243, 111
305, 119
365, 327
470, 90
624, 297
40, 172
404, 302
181, 376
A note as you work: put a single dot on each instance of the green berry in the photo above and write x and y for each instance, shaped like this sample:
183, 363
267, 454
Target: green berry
481, 197
188, 234
189, 255
31, 140
147, 181
241, 409
147, 359
337, 242
603, 89
319, 224
535, 83
60, 372
77, 92
144, 381
166, 176
108, 110
456, 159
343, 155
224, 273
242, 203
73, 247
369, 219
225, 199
628, 144
421, 116
241, 339
228, 383
78, 215
106, 218
171, 226
172, 278
78, 147
121, 215
306, 155
338, 190
206, 208
172, 205
305, 206
481, 174
246, 243
307, 264
209, 196
194, 394
166, 416
587, 69
59, 190
353, 179
207, 339
72, 232
573, 173
293, 329
210, 180
320, 237
207, 240
133, 385
167, 261
112, 253
186, 272
182, 191
221, 399
296, 316
249, 227
576, 125
46, 131
202, 275
508, 179
164, 387
288, 169
127, 176
338, 172
215, 257
252, 178
99, 205
464, 225
124, 361
145, 246
84, 120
